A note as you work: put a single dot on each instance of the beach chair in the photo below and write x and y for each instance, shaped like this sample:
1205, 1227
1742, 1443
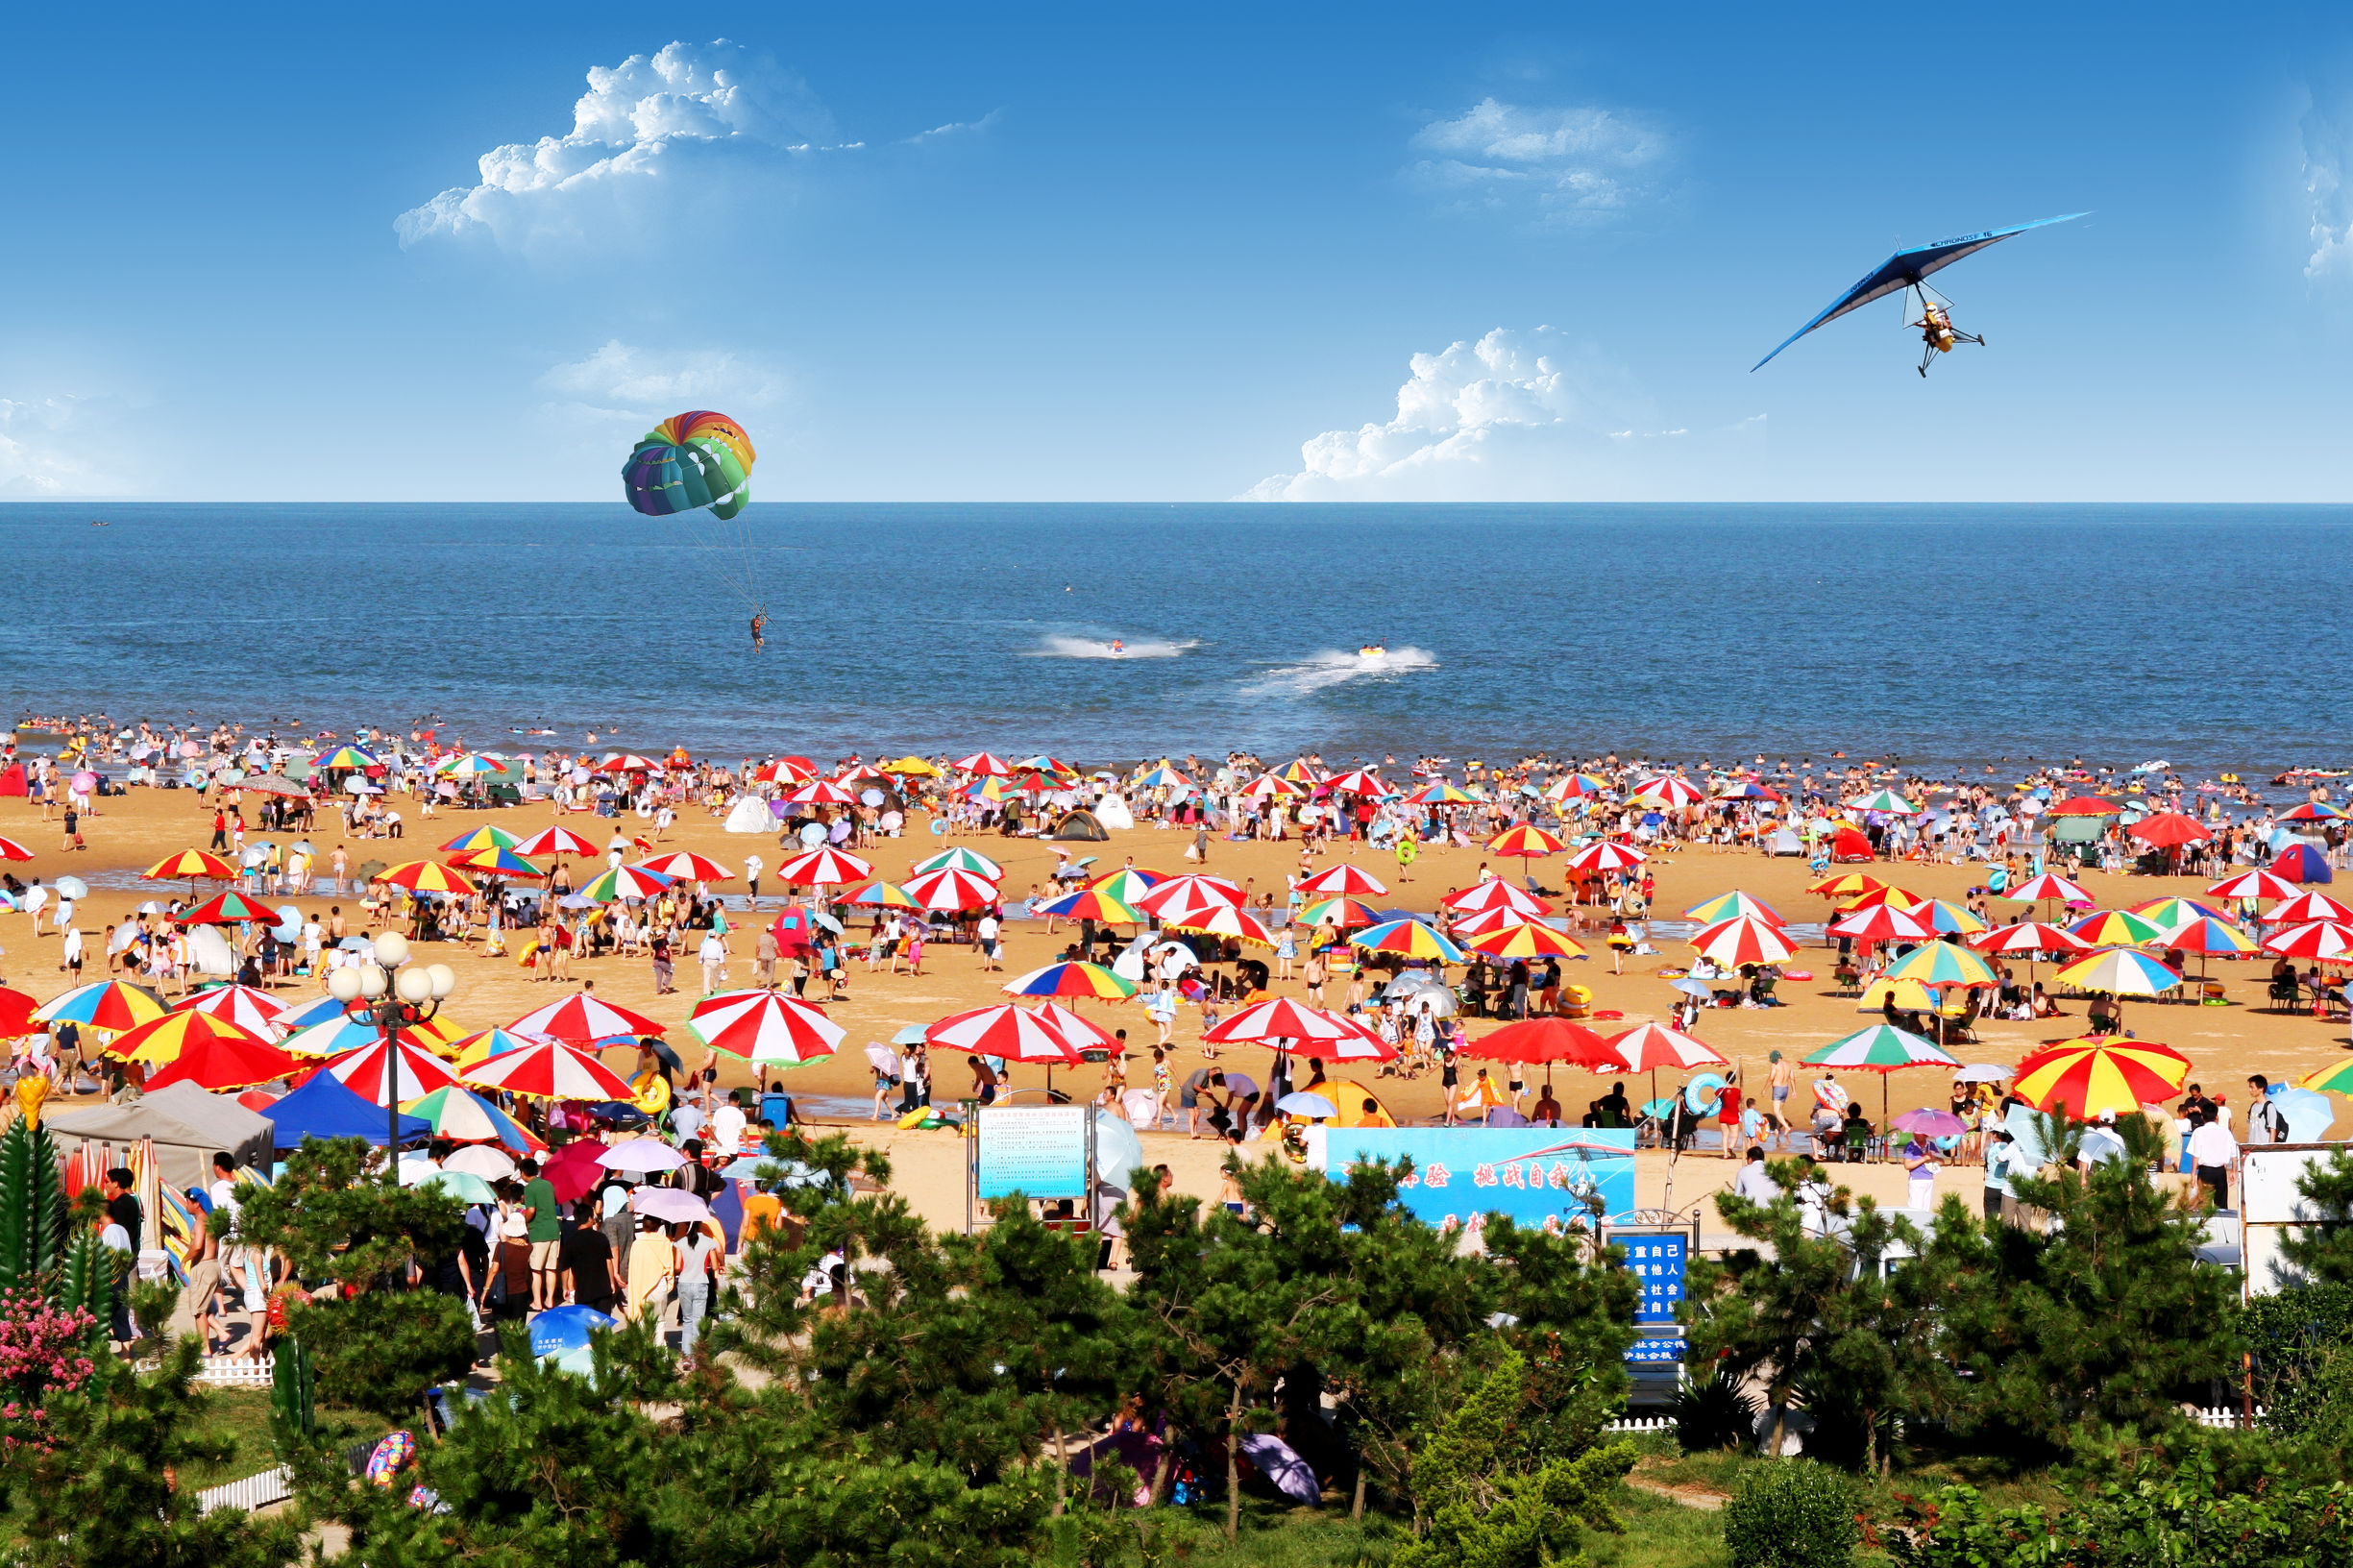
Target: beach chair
2286, 995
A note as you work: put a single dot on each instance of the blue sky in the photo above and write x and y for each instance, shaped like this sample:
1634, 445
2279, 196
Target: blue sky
1074, 254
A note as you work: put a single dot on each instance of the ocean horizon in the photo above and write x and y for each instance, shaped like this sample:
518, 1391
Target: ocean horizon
1946, 635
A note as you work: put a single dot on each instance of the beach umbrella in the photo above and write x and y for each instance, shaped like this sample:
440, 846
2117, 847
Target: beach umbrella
2084, 805
16, 1012
2337, 1078
1525, 842
425, 876
1744, 938
1944, 964
1300, 1030
463, 1186
553, 1070
1885, 801
245, 1006
1929, 1122
187, 865
112, 1005
1342, 914
480, 838
1226, 920
482, 1045
1300, 770
2121, 972
1526, 940
345, 756
2306, 906
983, 763
229, 908
1274, 786
2114, 928
1439, 792
684, 864
2326, 940
583, 1017
2169, 915
554, 841
821, 791
1005, 1032
1546, 1039
2209, 934
1726, 906
1984, 1073
1885, 893
2301, 863
332, 1036
2030, 936
960, 860
1882, 1048
2053, 888
1666, 790
1128, 884
2314, 811
1409, 939
765, 1026
824, 868
1846, 885
1496, 893
2168, 830
1882, 923
10, 849
165, 1038
1092, 904
1575, 786
1343, 882
463, 1117
2255, 886
951, 889
912, 767
1604, 856
1499, 918
2085, 1077
1071, 980
1909, 996
642, 1156
627, 762
1945, 917
1188, 895
1362, 781
624, 882
1649, 1047
495, 861
1080, 1033
880, 894
414, 1073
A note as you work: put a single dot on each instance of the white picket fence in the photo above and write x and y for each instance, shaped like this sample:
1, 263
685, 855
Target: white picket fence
1634, 1425
225, 1371
2228, 1417
249, 1493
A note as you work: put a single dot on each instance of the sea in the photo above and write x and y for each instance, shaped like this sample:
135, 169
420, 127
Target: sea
2212, 637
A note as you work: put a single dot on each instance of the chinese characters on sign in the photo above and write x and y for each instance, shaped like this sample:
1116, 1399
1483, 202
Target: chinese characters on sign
1550, 1178
1657, 1263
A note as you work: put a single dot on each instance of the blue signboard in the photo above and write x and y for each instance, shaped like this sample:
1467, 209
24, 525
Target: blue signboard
1553, 1178
1656, 1261
1038, 1151
1655, 1348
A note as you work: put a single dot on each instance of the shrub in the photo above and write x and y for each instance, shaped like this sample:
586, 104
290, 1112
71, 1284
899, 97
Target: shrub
1719, 1414
1792, 1513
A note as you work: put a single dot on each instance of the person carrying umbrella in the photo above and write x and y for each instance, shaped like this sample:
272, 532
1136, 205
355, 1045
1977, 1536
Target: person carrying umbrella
1919, 1165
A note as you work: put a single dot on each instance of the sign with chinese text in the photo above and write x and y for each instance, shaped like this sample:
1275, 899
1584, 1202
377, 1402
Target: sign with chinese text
1037, 1151
1550, 1178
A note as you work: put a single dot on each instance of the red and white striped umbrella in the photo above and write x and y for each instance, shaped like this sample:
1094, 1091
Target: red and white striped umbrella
1883, 923
2050, 885
245, 1006
1009, 1033
1270, 784
555, 840
1362, 781
2258, 884
783, 771
549, 1071
10, 849
825, 867
2315, 939
766, 1026
1496, 918
583, 1017
949, 888
1605, 856
690, 867
987, 763
419, 1072
1667, 790
1343, 882
2030, 937
627, 762
1496, 893
821, 791
1302, 1027
1744, 938
1082, 1034
2306, 905
1226, 920
1183, 897
1648, 1046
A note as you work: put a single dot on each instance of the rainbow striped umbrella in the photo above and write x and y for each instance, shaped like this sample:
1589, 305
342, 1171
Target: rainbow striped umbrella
1944, 964
2114, 928
495, 861
2314, 811
1575, 786
425, 876
1726, 906
552, 1070
1343, 882
2120, 972
694, 868
1411, 939
475, 1049
112, 1005
2085, 1077
1530, 938
1744, 938
820, 868
2209, 934
626, 882
960, 860
229, 909
1340, 914
2337, 1078
1940, 916
1439, 792
766, 1026
1092, 904
882, 895
187, 865
1128, 884
480, 838
330, 1036
1071, 980
2168, 915
1603, 856
1525, 841
1163, 778
344, 756
463, 1117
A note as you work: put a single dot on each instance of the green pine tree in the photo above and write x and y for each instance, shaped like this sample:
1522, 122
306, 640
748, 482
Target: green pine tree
2324, 1252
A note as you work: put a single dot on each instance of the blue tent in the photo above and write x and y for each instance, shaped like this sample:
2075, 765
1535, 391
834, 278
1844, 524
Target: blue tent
327, 1107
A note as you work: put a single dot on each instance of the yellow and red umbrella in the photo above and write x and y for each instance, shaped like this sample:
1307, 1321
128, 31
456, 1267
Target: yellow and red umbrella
1530, 938
480, 838
1226, 920
1846, 885
187, 865
425, 876
165, 1038
1525, 840
2085, 1077
2114, 929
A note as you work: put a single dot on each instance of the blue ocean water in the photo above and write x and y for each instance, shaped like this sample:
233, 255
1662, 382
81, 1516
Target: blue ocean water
2213, 636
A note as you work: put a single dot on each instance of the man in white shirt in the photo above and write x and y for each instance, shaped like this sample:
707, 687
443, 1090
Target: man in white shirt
2212, 1150
714, 956
987, 934
1755, 1182
752, 868
727, 1124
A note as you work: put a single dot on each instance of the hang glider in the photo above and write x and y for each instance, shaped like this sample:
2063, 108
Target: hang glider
1907, 270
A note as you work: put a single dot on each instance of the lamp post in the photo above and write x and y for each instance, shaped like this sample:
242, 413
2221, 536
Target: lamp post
395, 997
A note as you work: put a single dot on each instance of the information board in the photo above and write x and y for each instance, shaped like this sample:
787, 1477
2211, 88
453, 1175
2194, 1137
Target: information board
1038, 1151
1652, 1348
1555, 1178
1657, 1260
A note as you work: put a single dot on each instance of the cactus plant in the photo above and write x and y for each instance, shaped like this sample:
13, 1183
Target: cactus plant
293, 1422
33, 1227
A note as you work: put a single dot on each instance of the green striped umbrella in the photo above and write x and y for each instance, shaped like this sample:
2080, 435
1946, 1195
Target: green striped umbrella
1882, 1048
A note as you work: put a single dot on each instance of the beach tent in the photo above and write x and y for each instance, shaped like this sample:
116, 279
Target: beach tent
1083, 826
325, 1107
751, 815
2073, 829
210, 952
187, 1124
1782, 841
1850, 844
1113, 813
12, 779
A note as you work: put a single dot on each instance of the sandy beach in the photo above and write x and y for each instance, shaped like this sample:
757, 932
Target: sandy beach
2226, 1043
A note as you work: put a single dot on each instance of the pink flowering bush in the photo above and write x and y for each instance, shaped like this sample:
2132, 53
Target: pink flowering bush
42, 1354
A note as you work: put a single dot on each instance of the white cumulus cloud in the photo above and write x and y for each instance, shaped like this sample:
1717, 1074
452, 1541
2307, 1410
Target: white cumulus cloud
42, 454
688, 127
2328, 189
1518, 415
640, 387
1575, 167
